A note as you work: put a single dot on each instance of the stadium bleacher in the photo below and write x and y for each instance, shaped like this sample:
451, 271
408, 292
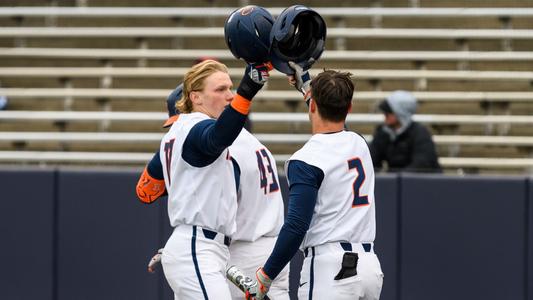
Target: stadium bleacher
84, 79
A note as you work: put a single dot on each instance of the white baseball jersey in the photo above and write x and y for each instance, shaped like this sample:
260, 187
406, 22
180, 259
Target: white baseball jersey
344, 209
204, 196
260, 204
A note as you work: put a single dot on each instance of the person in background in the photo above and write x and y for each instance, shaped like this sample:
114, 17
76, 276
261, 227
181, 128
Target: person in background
403, 144
3, 101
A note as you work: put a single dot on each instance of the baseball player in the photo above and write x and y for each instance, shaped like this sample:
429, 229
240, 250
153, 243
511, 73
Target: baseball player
331, 215
199, 177
258, 190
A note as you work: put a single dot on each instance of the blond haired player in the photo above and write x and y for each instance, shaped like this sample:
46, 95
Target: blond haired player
199, 178
260, 206
258, 189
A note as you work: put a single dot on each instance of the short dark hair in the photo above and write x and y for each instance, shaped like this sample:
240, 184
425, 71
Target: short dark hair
333, 91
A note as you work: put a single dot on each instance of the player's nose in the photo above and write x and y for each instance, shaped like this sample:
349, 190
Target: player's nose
229, 95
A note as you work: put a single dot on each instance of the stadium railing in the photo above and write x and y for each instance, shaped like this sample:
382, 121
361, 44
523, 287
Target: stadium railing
264, 117
267, 95
236, 73
202, 12
142, 158
267, 138
202, 32
329, 55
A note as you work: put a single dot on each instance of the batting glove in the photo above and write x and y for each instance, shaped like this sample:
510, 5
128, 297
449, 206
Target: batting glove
263, 285
155, 261
301, 78
255, 76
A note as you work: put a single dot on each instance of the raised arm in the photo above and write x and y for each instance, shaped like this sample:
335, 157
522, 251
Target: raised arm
208, 139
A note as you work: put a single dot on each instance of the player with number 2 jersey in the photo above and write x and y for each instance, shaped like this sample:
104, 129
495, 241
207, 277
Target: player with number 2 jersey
331, 215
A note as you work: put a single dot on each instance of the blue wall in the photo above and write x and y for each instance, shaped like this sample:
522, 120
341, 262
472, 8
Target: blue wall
70, 234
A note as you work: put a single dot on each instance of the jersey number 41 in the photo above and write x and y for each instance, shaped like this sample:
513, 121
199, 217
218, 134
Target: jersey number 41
265, 165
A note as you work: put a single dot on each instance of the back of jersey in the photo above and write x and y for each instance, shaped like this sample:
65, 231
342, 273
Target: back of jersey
345, 208
260, 204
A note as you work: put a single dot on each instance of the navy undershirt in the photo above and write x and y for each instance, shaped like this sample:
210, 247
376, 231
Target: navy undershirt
206, 141
155, 168
209, 138
304, 182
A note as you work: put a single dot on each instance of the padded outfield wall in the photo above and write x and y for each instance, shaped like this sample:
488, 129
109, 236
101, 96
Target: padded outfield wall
82, 234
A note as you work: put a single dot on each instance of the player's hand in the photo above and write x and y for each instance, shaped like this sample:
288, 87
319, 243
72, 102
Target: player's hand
263, 285
155, 261
255, 76
301, 78
259, 72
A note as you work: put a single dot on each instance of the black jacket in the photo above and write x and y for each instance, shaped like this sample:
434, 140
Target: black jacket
411, 151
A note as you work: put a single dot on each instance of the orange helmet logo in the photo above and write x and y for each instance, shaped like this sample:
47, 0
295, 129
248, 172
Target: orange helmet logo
247, 10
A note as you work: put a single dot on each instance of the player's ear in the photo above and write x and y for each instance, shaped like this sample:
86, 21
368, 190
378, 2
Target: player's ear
195, 97
312, 105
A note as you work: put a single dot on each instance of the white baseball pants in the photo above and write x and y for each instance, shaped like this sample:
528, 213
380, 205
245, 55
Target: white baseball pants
322, 263
249, 256
194, 262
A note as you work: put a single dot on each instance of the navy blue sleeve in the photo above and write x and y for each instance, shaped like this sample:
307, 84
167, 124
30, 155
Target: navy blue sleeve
236, 173
155, 168
208, 138
304, 180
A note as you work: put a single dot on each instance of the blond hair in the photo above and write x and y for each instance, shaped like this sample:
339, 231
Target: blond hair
194, 80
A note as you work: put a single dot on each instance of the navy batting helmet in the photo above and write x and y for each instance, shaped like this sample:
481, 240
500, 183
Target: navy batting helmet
247, 33
298, 35
173, 112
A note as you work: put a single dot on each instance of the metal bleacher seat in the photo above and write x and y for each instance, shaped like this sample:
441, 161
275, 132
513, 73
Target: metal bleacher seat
162, 72
270, 95
133, 158
332, 55
267, 138
218, 32
196, 12
264, 117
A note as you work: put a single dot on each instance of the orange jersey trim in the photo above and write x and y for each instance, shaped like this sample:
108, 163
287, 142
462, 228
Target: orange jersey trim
148, 188
241, 104
171, 120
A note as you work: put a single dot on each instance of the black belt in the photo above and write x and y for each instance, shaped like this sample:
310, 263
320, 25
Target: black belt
212, 234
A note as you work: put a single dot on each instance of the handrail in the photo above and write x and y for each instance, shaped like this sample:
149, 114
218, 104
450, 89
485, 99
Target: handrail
280, 95
142, 158
203, 32
222, 54
353, 118
202, 12
140, 72
267, 138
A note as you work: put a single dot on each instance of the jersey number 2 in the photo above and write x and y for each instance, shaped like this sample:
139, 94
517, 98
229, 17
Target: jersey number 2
273, 186
358, 199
